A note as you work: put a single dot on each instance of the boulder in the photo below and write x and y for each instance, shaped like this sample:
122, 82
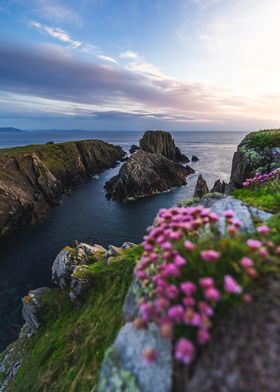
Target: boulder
243, 354
32, 307
133, 148
124, 369
220, 187
201, 187
128, 245
161, 142
195, 158
145, 174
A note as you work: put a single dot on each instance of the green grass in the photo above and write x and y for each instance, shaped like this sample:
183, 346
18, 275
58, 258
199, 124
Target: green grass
66, 353
263, 138
265, 196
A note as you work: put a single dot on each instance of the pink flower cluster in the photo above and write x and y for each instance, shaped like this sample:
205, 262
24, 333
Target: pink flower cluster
261, 178
181, 283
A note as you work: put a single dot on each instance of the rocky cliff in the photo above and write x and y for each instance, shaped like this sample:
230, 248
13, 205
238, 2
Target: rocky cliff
33, 178
146, 174
258, 152
161, 142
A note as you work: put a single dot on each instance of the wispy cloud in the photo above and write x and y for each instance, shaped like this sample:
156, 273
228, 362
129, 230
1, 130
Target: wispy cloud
63, 36
57, 33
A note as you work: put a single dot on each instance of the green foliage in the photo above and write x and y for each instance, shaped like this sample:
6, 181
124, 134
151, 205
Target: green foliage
66, 353
265, 196
263, 138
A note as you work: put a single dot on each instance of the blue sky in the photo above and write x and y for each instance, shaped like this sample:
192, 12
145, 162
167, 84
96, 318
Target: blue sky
137, 64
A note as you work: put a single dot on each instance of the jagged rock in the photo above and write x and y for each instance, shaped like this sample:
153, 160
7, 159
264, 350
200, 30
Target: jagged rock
81, 281
62, 268
145, 174
195, 158
128, 245
114, 251
33, 180
85, 250
32, 306
123, 368
243, 211
220, 187
133, 148
161, 142
243, 354
201, 187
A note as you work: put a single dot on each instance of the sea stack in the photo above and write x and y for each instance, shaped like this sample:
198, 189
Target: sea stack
161, 142
146, 174
201, 188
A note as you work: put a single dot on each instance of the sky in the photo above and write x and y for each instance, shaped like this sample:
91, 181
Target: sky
198, 65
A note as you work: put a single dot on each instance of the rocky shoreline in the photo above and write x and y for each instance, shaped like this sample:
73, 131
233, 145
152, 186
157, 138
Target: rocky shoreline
34, 178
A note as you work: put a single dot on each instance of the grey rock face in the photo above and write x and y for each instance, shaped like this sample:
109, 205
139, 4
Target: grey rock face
32, 306
243, 355
146, 174
130, 306
161, 142
201, 187
242, 210
63, 267
81, 281
124, 369
220, 187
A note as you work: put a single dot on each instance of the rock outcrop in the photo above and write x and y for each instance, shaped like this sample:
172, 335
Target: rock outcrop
146, 174
133, 148
258, 152
32, 307
220, 187
161, 142
201, 187
33, 178
195, 158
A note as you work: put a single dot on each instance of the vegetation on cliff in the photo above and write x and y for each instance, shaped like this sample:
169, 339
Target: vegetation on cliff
66, 353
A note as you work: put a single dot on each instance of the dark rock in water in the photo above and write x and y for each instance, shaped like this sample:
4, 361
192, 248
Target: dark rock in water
161, 142
124, 159
195, 158
133, 148
201, 187
220, 187
48, 143
34, 178
145, 174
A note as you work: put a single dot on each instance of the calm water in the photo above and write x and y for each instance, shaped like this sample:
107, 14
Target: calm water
86, 215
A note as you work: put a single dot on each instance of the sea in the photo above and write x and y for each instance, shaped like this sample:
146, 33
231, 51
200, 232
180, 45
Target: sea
86, 215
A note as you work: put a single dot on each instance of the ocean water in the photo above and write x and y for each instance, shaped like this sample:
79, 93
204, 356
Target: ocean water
86, 215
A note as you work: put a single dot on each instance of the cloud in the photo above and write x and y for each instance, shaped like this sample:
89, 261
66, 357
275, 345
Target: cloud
44, 80
52, 10
129, 55
107, 58
57, 33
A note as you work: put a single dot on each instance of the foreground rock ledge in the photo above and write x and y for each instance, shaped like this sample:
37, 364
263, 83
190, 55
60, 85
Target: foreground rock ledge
146, 174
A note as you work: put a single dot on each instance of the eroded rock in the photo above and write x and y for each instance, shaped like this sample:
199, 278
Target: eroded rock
201, 187
32, 307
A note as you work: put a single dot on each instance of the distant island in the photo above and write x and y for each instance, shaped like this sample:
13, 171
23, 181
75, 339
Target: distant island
10, 129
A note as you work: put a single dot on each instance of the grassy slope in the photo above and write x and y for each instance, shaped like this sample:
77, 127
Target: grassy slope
65, 355
266, 196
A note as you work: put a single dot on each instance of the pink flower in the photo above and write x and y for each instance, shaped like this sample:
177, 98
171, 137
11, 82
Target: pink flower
184, 350
254, 244
264, 230
166, 245
263, 252
277, 250
166, 329
210, 255
149, 355
172, 291
246, 262
188, 288
189, 246
205, 309
205, 283
229, 214
175, 235
203, 336
212, 294
179, 261
231, 286
188, 301
170, 270
232, 230
176, 313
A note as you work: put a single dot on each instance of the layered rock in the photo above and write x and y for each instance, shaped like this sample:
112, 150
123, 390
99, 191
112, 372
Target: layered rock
146, 174
201, 187
161, 142
258, 152
34, 178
